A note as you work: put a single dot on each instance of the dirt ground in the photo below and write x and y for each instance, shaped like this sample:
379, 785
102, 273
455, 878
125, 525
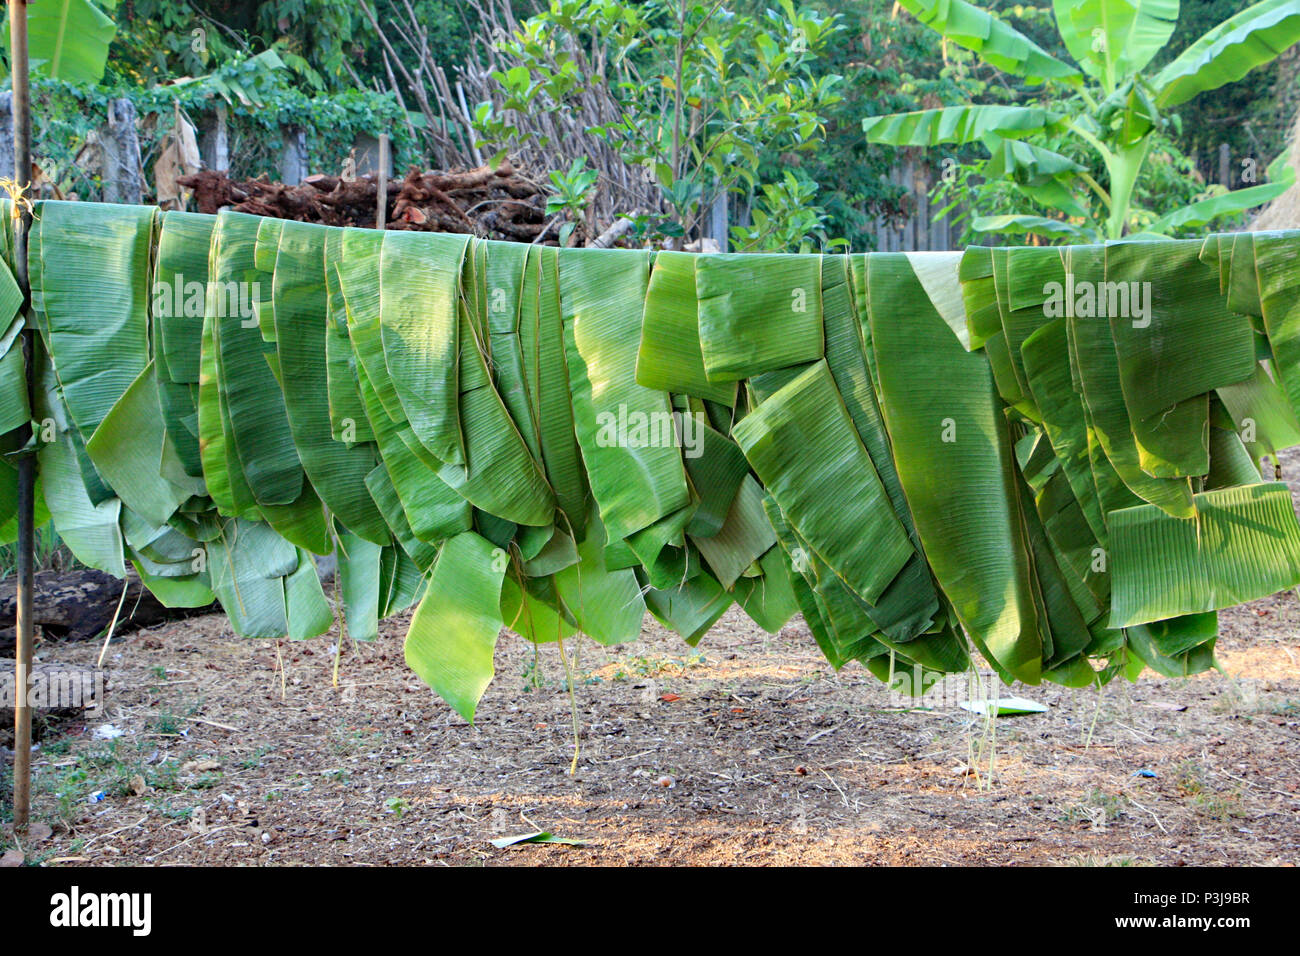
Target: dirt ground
750, 750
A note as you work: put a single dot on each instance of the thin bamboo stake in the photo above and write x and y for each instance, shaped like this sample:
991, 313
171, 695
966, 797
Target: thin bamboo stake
381, 213
27, 463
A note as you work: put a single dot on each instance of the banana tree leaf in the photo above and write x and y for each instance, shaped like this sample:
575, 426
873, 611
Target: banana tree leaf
454, 631
1094, 357
382, 491
661, 550
401, 582
715, 474
360, 284
1261, 413
769, 599
127, 448
758, 313
255, 407
420, 331
690, 609
1279, 284
348, 421
94, 268
14, 408
1015, 225
997, 43
910, 602
1065, 630
500, 476
302, 523
1178, 635
623, 428
337, 471
745, 537
1244, 544
605, 604
938, 273
1146, 652
68, 40
1230, 462
509, 266
433, 509
1113, 39
247, 564
192, 591
931, 389
957, 124
670, 357
979, 297
1204, 211
1244, 290
213, 450
307, 611
1027, 164
358, 564
1046, 357
800, 442
542, 338
558, 553
180, 292
1229, 51
90, 530
532, 611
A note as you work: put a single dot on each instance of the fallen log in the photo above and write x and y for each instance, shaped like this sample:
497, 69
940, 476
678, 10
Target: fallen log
491, 203
80, 604
57, 692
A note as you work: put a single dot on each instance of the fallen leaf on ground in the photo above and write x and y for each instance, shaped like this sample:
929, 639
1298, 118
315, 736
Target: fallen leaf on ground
538, 836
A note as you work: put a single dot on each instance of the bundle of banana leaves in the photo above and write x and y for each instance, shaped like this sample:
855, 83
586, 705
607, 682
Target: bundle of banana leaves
1050, 456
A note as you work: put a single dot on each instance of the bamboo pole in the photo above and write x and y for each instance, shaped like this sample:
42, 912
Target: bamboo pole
27, 463
381, 213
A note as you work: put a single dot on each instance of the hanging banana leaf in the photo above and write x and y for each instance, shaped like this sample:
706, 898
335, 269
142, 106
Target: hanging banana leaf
1243, 544
454, 631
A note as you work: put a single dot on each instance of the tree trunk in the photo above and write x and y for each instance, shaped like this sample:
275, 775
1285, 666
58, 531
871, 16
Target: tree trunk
123, 181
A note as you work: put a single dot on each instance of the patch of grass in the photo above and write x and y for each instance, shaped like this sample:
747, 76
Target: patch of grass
1189, 778
206, 781
631, 668
346, 739
1202, 797
252, 760
1098, 808
165, 809
167, 724
1096, 859
533, 676
50, 552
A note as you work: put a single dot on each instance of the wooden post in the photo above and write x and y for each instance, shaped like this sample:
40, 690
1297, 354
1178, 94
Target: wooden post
381, 201
27, 463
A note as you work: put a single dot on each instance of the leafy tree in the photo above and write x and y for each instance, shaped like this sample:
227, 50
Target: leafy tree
1084, 157
702, 96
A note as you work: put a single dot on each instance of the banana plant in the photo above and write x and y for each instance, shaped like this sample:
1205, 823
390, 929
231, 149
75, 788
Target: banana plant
1106, 107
